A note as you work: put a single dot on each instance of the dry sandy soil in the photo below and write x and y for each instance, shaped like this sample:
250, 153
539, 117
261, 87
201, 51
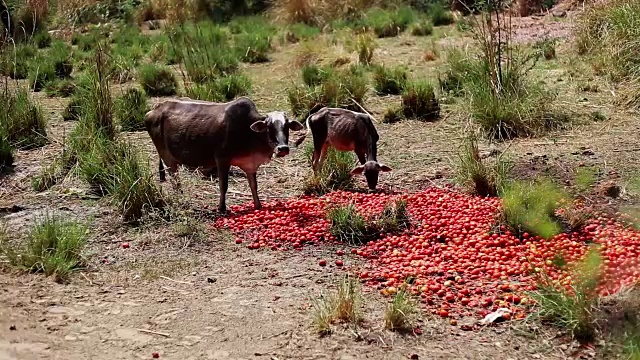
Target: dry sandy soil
200, 296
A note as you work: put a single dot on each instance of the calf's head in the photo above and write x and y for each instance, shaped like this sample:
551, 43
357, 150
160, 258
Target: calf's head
371, 169
277, 126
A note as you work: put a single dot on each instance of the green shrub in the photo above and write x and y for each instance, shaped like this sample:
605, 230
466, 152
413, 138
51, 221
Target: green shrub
22, 120
389, 81
15, 64
530, 207
387, 23
299, 31
440, 16
547, 48
53, 246
42, 39
60, 88
347, 225
423, 28
334, 175
253, 47
6, 150
393, 115
481, 177
204, 92
314, 75
205, 50
231, 86
73, 109
41, 73
419, 101
130, 109
157, 80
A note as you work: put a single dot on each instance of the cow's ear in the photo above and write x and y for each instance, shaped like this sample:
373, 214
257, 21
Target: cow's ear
259, 126
384, 168
295, 125
357, 170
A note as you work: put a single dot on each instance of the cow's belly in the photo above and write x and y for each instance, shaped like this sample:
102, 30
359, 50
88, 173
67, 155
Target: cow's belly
250, 163
343, 144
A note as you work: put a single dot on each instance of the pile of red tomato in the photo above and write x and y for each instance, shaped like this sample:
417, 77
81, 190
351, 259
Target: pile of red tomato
452, 256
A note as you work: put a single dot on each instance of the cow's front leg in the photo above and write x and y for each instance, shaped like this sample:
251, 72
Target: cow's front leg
361, 156
223, 178
253, 184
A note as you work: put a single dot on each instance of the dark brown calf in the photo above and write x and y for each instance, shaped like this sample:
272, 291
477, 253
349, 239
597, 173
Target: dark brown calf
346, 130
201, 134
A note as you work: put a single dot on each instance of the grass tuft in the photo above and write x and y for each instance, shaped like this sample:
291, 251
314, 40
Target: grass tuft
422, 28
53, 247
157, 80
419, 101
389, 81
365, 46
479, 176
393, 115
401, 313
334, 175
342, 306
130, 109
22, 121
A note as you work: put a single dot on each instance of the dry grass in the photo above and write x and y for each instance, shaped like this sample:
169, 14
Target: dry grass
318, 12
401, 313
345, 305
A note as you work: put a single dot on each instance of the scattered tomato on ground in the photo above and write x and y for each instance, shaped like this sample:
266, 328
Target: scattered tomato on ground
452, 257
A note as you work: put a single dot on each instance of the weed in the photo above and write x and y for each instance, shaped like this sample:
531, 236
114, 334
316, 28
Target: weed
157, 80
253, 47
130, 109
366, 46
477, 175
231, 86
60, 88
400, 314
394, 218
335, 173
314, 75
546, 47
393, 115
531, 207
205, 92
572, 309
21, 119
389, 81
422, 28
41, 73
440, 16
344, 305
386, 23
598, 116
15, 64
347, 225
53, 246
73, 109
299, 31
419, 101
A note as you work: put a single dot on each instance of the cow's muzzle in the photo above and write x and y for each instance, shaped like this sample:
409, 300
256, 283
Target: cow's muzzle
282, 150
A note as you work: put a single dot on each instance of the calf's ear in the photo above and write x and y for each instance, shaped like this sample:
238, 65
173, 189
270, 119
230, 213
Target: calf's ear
357, 170
384, 168
259, 126
295, 125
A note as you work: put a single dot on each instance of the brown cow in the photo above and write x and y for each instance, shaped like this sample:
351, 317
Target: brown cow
201, 134
345, 130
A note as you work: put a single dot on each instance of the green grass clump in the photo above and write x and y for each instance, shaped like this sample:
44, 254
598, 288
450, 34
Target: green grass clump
49, 176
53, 246
231, 86
531, 207
60, 88
481, 177
206, 51
157, 80
388, 23
419, 101
335, 90
394, 217
22, 120
6, 150
365, 46
573, 309
299, 31
441, 16
253, 48
73, 109
422, 28
345, 305
41, 73
130, 108
14, 61
393, 115
401, 313
314, 75
334, 175
389, 81
347, 225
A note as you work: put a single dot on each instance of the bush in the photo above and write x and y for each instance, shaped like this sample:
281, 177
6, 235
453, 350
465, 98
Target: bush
231, 86
314, 75
15, 64
42, 39
53, 246
253, 48
22, 119
393, 115
130, 109
423, 28
157, 80
547, 48
73, 109
205, 50
440, 16
60, 88
419, 101
386, 23
336, 90
479, 177
388, 81
531, 207
204, 92
41, 73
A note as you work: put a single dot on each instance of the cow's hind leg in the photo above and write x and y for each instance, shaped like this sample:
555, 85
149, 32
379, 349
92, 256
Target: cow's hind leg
253, 184
172, 167
223, 178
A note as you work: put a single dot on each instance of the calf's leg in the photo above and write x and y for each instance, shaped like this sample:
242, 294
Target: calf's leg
223, 178
253, 184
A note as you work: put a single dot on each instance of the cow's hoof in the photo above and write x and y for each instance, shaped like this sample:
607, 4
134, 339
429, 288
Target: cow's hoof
222, 211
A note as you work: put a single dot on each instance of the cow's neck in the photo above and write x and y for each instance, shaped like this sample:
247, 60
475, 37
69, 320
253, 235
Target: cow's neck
372, 149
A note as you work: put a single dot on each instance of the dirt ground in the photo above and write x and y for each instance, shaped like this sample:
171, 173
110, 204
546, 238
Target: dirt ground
200, 296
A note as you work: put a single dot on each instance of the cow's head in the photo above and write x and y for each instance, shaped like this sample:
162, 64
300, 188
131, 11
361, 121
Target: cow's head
277, 126
371, 169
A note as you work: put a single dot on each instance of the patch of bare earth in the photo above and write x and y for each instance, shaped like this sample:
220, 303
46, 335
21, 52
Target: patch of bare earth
203, 297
